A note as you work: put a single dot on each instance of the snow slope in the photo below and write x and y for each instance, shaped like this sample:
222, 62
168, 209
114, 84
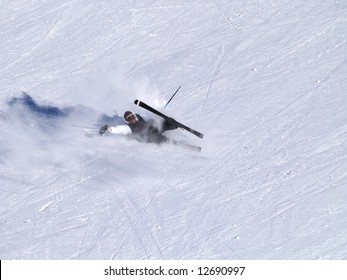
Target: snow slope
265, 81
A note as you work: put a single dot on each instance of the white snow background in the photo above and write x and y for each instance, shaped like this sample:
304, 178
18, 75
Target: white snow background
265, 81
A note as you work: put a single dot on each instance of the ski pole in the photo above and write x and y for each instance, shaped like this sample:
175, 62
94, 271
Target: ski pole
172, 96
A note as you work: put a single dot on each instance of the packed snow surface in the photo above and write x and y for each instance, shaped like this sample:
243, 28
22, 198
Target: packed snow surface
265, 81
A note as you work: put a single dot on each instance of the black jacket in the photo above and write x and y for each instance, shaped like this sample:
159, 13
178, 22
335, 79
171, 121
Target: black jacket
148, 131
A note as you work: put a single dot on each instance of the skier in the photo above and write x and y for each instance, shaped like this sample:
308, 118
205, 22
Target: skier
143, 130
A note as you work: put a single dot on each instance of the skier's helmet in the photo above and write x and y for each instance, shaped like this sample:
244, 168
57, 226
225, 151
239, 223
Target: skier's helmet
129, 116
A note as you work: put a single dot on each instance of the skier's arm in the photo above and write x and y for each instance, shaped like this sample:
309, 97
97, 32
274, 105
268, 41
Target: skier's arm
120, 129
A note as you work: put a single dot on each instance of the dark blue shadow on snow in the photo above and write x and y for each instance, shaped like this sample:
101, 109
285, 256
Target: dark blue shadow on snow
30, 104
26, 104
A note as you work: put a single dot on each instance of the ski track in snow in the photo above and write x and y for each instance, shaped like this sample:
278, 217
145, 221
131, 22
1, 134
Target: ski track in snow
264, 81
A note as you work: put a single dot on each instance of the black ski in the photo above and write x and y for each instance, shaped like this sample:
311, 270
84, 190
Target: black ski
167, 118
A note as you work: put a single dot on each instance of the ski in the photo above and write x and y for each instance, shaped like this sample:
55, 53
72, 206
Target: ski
90, 133
167, 118
185, 145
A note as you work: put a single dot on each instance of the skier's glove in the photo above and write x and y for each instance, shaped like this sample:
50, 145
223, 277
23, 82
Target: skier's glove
103, 129
170, 125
